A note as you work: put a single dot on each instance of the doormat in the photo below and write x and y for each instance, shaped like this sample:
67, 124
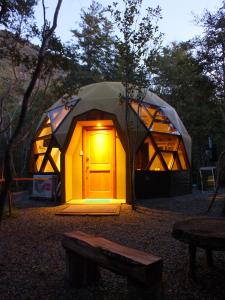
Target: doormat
91, 209
97, 201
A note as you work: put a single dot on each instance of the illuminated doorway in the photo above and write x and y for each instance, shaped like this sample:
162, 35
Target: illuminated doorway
98, 162
95, 164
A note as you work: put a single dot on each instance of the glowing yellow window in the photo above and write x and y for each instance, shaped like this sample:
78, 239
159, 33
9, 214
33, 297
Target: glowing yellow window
55, 154
166, 142
176, 165
142, 112
157, 165
145, 116
40, 146
169, 159
39, 162
163, 126
45, 131
48, 168
182, 157
151, 110
160, 116
57, 116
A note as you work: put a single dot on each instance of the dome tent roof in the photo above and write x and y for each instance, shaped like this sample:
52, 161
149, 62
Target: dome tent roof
106, 96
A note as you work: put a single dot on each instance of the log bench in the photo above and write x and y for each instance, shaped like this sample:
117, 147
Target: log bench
86, 253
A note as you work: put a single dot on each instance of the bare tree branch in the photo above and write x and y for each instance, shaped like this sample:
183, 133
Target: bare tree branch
8, 151
44, 17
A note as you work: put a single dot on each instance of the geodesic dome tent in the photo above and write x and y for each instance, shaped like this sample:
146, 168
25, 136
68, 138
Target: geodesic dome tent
85, 141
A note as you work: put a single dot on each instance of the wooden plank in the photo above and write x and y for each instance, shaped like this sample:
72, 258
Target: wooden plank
91, 209
138, 265
80, 272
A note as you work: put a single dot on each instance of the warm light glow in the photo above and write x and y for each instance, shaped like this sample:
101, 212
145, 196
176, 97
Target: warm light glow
100, 143
39, 161
55, 154
92, 170
99, 124
97, 201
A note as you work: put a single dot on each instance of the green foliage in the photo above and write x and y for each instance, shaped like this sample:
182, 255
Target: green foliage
94, 42
18, 61
121, 44
16, 16
113, 49
211, 49
180, 80
137, 42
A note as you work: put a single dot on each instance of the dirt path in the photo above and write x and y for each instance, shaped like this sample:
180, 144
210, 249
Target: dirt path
32, 262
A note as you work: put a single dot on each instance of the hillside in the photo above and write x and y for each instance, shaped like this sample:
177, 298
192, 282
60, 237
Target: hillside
15, 57
17, 62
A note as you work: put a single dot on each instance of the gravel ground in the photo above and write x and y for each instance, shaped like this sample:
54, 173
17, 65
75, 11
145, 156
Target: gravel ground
32, 261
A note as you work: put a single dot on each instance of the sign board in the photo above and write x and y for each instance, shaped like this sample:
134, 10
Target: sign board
44, 188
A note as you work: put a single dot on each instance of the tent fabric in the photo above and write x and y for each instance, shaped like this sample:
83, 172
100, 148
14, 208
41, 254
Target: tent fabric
107, 97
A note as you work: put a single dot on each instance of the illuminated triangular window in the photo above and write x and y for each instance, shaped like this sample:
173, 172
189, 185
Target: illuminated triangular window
39, 162
160, 116
151, 110
176, 165
45, 128
58, 114
55, 154
157, 164
143, 113
166, 142
48, 168
182, 157
162, 124
145, 116
168, 158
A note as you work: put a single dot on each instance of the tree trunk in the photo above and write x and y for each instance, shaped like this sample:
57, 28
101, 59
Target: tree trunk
46, 35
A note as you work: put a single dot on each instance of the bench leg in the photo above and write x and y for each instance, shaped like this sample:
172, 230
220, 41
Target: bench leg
192, 261
138, 291
209, 257
80, 272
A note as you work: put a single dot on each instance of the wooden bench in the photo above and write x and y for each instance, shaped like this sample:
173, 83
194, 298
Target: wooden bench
86, 253
201, 232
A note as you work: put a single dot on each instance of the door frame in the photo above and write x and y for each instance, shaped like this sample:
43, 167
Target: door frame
95, 128
93, 115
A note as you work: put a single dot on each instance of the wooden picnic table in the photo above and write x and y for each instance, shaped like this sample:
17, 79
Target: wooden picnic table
201, 232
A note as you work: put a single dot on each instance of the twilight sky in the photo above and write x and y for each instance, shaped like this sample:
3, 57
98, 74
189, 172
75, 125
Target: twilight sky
177, 23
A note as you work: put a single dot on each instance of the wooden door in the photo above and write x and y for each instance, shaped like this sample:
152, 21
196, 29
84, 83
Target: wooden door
99, 163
